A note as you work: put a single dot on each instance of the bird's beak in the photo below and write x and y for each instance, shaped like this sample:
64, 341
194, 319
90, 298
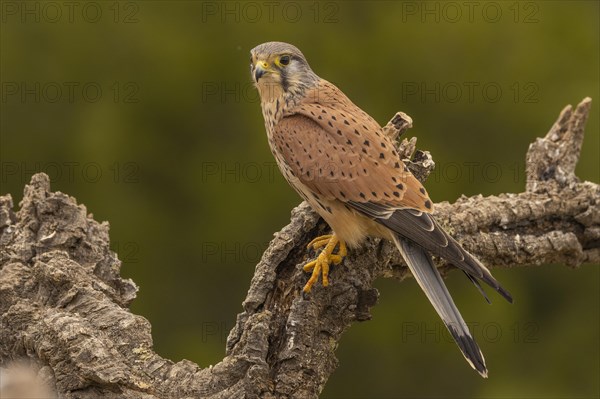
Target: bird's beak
260, 68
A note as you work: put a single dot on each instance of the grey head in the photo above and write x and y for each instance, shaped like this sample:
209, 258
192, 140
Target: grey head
281, 66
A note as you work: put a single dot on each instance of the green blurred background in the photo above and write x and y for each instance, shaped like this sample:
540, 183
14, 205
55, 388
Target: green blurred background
144, 111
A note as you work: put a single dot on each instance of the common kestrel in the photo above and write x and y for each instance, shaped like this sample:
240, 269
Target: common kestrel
339, 160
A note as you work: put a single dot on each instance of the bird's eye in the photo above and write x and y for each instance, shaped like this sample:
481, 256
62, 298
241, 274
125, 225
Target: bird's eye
284, 60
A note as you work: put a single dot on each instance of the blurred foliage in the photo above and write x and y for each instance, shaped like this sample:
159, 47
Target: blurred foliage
172, 152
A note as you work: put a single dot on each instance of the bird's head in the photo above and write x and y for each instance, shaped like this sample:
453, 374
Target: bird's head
279, 68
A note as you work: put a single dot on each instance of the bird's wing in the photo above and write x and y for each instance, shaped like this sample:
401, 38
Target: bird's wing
340, 152
422, 229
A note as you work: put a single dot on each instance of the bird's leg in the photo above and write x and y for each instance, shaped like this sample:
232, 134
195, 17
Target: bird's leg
325, 258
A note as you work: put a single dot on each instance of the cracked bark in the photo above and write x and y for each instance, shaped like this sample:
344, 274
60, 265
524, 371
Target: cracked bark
64, 305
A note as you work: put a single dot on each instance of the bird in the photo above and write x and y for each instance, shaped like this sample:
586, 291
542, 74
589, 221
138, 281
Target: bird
341, 162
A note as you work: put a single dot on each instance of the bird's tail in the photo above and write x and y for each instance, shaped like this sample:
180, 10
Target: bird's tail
428, 277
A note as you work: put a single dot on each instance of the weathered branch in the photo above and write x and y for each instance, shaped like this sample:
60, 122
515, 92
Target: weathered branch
64, 305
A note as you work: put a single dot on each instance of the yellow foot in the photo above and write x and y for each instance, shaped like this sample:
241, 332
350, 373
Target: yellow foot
325, 259
319, 242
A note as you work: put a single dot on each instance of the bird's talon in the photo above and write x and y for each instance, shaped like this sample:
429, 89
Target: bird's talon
336, 259
319, 242
321, 265
313, 278
342, 251
309, 266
